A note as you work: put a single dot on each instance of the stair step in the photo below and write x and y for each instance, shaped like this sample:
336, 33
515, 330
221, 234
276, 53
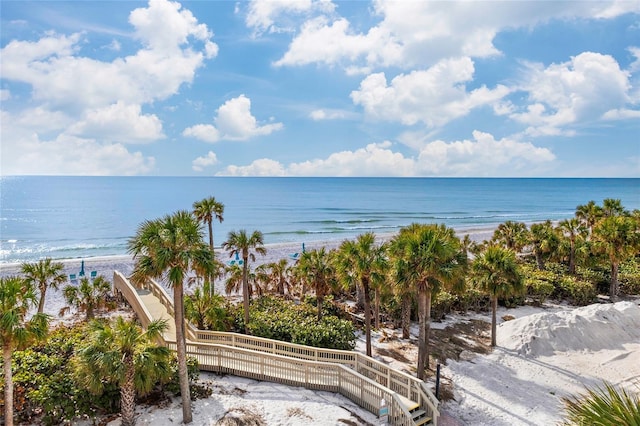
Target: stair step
419, 417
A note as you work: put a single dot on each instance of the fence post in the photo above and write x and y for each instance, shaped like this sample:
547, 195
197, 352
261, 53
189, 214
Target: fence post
384, 413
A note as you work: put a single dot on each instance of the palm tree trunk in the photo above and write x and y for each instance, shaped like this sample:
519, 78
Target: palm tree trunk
367, 316
245, 296
424, 312
182, 354
128, 394
212, 289
406, 316
376, 309
8, 385
494, 308
43, 291
613, 287
572, 258
539, 260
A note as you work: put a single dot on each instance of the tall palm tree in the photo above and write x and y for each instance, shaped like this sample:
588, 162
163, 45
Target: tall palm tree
613, 207
89, 296
618, 238
243, 244
573, 229
316, 268
17, 296
122, 353
427, 257
496, 271
512, 235
589, 214
362, 262
42, 275
206, 210
167, 249
403, 285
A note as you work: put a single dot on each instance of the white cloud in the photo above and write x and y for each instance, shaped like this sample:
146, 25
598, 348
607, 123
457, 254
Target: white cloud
97, 102
621, 114
119, 123
329, 114
583, 89
482, 156
204, 132
234, 121
421, 33
261, 167
435, 96
67, 155
201, 162
263, 14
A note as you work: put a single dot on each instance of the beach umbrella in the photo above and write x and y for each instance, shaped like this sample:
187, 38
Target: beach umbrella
81, 269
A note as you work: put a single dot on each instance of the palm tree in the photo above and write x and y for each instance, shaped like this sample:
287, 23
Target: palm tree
613, 207
205, 211
89, 296
427, 257
316, 268
572, 229
16, 298
497, 272
362, 263
167, 249
207, 311
603, 406
124, 354
242, 243
618, 237
403, 286
279, 274
589, 214
42, 275
544, 240
512, 235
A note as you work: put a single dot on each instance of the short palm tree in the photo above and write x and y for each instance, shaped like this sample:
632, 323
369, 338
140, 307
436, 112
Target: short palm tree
316, 268
207, 311
497, 273
88, 296
168, 249
544, 241
573, 229
618, 238
243, 244
589, 214
42, 275
426, 258
16, 298
603, 406
205, 211
512, 235
121, 352
361, 262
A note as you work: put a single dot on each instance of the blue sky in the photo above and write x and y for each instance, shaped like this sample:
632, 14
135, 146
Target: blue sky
320, 88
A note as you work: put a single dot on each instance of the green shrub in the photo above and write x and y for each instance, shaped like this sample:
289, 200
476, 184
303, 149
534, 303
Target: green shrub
539, 290
603, 406
578, 292
629, 277
441, 304
279, 319
472, 298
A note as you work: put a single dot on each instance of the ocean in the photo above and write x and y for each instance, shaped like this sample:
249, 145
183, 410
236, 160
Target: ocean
81, 217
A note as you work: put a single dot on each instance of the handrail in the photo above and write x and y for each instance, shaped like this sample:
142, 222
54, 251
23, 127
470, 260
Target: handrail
396, 382
298, 372
123, 285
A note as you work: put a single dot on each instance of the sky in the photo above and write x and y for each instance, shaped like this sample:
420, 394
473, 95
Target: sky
320, 88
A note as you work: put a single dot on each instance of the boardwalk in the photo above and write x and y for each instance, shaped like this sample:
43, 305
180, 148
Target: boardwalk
364, 380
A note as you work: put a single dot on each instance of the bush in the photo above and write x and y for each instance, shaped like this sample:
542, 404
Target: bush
441, 305
472, 298
629, 277
279, 319
603, 406
578, 292
539, 290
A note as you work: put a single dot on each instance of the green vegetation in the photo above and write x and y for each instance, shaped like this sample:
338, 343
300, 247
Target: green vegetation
603, 406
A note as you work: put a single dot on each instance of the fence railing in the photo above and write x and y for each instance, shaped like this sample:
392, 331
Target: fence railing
201, 345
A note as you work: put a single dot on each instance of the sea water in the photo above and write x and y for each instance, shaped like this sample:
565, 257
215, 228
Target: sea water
80, 217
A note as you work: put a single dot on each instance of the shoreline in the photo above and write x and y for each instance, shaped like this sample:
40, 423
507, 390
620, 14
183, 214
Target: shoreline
275, 252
